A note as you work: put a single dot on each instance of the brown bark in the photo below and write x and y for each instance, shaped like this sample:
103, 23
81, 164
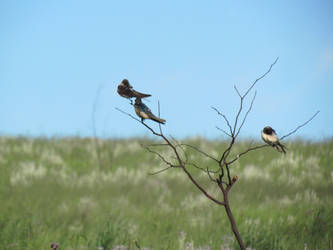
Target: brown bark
233, 222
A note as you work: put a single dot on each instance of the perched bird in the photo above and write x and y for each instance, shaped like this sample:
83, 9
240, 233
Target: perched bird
269, 136
126, 90
144, 112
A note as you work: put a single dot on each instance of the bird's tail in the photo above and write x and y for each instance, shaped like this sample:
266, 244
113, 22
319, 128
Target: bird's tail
140, 95
159, 120
280, 147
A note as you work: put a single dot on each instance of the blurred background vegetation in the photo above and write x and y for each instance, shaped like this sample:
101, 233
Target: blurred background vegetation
62, 190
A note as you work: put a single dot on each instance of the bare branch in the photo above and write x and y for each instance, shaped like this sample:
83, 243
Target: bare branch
223, 160
240, 96
210, 177
248, 111
238, 113
302, 125
246, 151
207, 171
258, 79
179, 145
181, 163
160, 171
156, 145
220, 183
225, 118
228, 172
159, 116
93, 117
200, 151
233, 181
175, 140
226, 152
202, 189
223, 131
159, 155
133, 117
152, 130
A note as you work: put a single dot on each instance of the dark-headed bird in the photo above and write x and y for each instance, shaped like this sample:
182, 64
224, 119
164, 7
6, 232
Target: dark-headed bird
144, 112
126, 90
269, 136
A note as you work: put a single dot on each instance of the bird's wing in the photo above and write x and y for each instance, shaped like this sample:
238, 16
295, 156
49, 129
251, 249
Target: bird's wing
273, 138
146, 110
139, 94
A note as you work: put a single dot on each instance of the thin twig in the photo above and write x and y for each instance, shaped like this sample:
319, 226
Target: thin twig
239, 111
159, 155
93, 117
160, 171
156, 145
178, 144
210, 177
159, 116
152, 130
133, 117
258, 79
225, 118
190, 176
246, 151
248, 111
200, 151
218, 128
202, 169
302, 125
240, 96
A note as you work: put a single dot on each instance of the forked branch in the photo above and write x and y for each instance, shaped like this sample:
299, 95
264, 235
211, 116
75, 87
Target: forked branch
233, 128
181, 163
236, 128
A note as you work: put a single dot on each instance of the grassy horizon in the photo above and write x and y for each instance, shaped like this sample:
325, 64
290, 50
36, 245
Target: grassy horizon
64, 190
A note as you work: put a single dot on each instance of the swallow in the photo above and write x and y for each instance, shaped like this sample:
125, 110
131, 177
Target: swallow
269, 136
126, 90
144, 112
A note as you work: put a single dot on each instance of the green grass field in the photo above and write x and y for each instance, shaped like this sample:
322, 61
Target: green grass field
56, 190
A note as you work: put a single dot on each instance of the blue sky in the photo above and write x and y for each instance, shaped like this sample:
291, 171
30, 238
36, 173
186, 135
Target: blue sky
55, 55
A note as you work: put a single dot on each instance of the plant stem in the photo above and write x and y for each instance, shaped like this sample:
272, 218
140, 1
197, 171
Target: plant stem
232, 221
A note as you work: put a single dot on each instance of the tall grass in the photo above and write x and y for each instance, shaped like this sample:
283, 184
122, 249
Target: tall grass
52, 190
